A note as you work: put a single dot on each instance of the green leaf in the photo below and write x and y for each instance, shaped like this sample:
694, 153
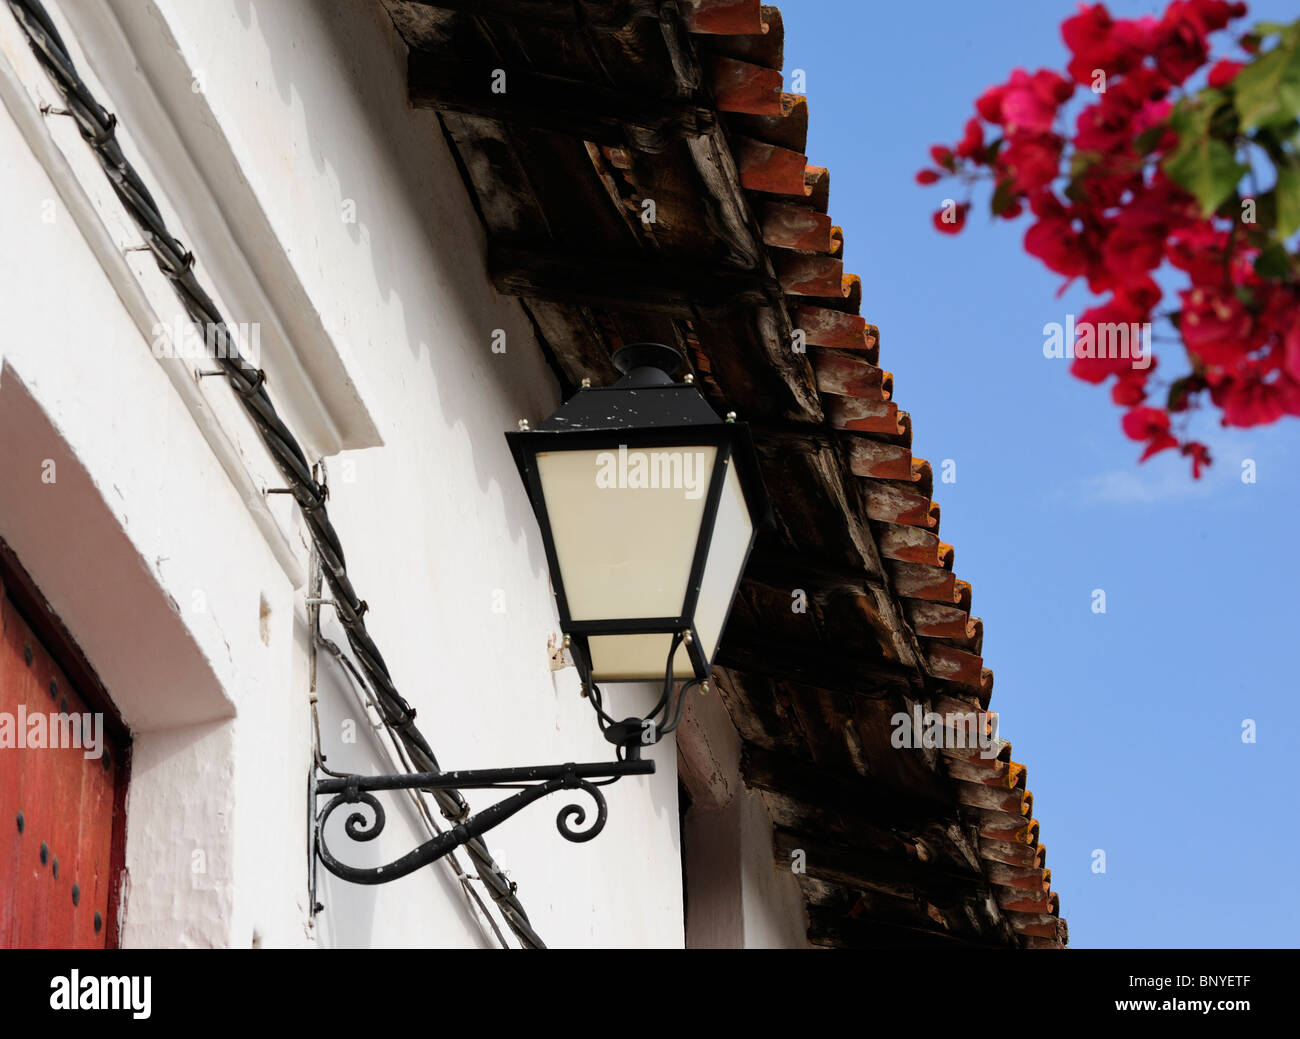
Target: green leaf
1265, 214
1081, 162
1202, 163
1273, 262
1267, 91
1288, 200
1001, 198
1279, 142
1178, 393
1148, 139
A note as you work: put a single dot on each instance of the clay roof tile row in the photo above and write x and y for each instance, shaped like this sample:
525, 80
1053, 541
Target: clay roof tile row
767, 129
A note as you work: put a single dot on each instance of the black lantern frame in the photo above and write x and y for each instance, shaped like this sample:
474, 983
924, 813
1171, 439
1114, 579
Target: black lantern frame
645, 411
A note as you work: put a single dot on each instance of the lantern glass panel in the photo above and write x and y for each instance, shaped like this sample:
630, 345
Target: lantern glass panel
732, 531
625, 525
628, 658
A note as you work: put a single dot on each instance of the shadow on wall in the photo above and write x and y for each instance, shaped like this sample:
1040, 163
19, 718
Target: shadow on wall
353, 913
424, 244
340, 74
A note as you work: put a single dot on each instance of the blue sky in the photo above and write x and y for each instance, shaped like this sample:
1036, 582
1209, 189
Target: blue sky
1130, 721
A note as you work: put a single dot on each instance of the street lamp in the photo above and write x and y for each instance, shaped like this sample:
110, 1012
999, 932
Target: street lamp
648, 505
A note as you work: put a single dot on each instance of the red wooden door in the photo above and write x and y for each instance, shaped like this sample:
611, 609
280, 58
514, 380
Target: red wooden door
60, 811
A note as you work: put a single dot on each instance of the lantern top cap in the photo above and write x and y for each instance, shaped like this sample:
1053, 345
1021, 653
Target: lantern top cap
645, 400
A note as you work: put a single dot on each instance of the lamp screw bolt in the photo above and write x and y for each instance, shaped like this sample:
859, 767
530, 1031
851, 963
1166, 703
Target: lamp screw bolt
523, 425
688, 638
689, 378
731, 416
704, 688
567, 641
586, 384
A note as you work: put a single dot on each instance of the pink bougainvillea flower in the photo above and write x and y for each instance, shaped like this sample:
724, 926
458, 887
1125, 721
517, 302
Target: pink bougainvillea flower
951, 220
1030, 102
1224, 72
1199, 454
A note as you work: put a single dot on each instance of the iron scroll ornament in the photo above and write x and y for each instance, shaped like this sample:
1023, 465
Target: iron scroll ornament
629, 736
534, 783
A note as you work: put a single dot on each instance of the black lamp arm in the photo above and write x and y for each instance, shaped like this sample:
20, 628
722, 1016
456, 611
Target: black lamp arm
536, 783
629, 736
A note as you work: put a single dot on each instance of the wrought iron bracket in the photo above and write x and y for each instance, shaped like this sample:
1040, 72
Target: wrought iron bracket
533, 783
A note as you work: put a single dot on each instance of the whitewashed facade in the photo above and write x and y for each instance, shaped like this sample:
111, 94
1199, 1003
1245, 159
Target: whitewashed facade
326, 214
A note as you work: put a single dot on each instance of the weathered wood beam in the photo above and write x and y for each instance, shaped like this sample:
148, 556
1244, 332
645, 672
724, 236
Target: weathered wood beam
746, 369
895, 851
831, 929
960, 918
864, 871
967, 914
578, 109
941, 843
778, 566
575, 340
848, 507
866, 797
677, 289
796, 608
601, 15
756, 652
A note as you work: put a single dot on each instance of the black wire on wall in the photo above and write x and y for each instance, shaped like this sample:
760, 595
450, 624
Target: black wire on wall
97, 127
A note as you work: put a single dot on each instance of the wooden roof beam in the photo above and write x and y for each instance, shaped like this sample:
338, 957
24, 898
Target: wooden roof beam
906, 874
600, 15
676, 289
867, 797
756, 653
831, 929
569, 107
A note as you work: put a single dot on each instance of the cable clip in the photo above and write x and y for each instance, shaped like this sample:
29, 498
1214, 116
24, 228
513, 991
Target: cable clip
359, 609
105, 135
170, 269
253, 387
323, 493
259, 377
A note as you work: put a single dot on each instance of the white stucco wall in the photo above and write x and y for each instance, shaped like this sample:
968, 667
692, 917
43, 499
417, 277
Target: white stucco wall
262, 125
738, 895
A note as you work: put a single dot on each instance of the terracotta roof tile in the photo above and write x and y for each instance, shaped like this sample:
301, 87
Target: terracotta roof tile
739, 86
808, 274
788, 226
770, 168
881, 460
729, 17
843, 350
898, 503
850, 375
787, 130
